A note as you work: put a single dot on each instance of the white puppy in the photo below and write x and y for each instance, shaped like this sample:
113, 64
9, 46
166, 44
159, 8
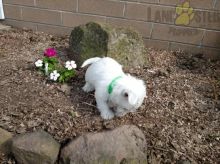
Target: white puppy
113, 88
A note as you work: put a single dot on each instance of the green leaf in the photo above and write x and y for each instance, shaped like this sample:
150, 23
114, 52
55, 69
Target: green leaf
51, 60
66, 75
61, 79
51, 67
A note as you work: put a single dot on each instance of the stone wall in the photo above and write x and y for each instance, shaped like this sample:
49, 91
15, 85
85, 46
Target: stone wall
190, 25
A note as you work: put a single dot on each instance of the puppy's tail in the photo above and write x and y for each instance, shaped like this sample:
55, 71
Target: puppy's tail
90, 61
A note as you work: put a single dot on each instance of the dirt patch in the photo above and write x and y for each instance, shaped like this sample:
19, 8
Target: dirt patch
180, 118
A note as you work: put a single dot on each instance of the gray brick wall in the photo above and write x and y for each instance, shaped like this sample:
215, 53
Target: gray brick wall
164, 24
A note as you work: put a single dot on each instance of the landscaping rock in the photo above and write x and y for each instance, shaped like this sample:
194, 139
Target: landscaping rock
122, 145
34, 148
4, 27
65, 88
94, 39
5, 141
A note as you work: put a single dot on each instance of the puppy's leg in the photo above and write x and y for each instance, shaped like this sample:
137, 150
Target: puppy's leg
106, 113
103, 108
88, 87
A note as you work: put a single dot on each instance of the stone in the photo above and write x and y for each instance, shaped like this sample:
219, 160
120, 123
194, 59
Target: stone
4, 27
5, 141
125, 144
184, 162
95, 39
34, 148
65, 88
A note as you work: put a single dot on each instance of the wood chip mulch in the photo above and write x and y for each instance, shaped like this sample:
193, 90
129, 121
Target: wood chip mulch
180, 118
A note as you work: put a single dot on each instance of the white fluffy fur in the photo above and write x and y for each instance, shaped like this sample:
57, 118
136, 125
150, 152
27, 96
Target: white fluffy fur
128, 93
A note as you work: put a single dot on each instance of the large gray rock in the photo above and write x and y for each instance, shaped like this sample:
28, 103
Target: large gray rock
95, 39
122, 145
5, 141
34, 148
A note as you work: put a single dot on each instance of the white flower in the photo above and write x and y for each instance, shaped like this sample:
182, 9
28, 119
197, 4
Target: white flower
70, 65
39, 63
54, 75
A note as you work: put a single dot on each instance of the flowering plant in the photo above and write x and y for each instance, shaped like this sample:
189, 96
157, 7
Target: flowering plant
51, 67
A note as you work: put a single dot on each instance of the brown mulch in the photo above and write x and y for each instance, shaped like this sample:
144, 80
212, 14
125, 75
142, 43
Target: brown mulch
180, 118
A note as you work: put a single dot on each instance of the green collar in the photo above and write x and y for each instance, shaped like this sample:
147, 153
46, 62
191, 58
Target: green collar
112, 84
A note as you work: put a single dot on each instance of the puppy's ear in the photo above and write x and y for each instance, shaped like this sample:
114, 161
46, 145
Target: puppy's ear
132, 99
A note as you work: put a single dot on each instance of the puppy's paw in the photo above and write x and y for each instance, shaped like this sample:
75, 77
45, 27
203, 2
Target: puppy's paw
88, 88
107, 115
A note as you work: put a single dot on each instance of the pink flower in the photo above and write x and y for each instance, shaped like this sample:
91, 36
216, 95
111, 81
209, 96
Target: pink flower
50, 52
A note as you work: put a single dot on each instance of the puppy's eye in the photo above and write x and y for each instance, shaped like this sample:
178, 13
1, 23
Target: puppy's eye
126, 94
